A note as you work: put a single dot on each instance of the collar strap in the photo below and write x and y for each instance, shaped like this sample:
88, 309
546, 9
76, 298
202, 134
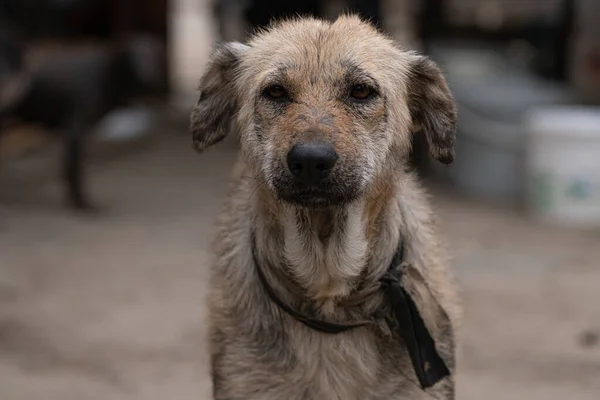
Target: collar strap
406, 321
313, 323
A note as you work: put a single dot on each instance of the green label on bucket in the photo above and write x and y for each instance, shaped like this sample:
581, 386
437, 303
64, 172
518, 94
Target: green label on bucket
580, 189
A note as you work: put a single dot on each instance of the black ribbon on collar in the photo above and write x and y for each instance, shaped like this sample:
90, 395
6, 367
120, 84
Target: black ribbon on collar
407, 322
429, 366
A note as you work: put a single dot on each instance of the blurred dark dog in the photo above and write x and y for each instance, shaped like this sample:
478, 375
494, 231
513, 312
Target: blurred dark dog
67, 89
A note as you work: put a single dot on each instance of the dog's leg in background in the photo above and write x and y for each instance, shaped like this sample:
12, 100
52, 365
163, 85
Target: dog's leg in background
73, 166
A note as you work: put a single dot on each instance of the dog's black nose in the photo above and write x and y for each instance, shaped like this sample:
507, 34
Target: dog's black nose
311, 162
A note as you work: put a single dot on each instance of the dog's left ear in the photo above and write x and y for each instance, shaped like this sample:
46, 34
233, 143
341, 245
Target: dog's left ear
432, 107
211, 117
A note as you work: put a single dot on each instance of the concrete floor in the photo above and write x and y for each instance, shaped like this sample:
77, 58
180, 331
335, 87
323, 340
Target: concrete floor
110, 307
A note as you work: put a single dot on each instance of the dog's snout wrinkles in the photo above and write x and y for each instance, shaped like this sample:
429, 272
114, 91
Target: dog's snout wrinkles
311, 162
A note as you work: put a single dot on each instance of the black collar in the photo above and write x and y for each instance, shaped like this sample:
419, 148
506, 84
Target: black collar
406, 321
313, 323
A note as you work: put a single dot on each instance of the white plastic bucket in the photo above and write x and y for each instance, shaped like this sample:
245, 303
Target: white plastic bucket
563, 160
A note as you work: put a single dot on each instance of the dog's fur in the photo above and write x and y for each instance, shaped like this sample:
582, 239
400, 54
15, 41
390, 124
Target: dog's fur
322, 252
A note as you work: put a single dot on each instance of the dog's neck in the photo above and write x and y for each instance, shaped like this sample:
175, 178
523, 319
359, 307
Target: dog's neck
325, 250
328, 254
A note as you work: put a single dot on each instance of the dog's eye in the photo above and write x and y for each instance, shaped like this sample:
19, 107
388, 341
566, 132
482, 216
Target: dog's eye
361, 92
276, 92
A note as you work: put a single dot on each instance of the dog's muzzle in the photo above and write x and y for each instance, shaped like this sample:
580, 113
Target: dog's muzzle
313, 175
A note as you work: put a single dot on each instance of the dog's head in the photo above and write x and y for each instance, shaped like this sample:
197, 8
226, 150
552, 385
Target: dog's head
323, 109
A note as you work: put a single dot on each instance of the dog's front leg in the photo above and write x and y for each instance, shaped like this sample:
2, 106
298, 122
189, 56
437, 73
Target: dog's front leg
73, 167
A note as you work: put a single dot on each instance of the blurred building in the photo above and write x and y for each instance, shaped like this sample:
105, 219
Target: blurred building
552, 46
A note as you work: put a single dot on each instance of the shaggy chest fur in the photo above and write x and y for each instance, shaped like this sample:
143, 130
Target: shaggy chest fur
344, 367
286, 360
261, 352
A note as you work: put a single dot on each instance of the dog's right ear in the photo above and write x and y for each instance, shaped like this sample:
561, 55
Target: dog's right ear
212, 114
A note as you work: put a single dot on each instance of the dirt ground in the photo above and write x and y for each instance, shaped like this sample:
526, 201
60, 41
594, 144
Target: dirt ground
111, 307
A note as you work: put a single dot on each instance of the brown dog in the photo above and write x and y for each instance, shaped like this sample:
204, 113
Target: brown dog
321, 207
